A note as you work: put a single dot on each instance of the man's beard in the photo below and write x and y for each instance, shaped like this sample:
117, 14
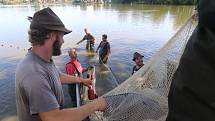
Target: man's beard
56, 47
74, 57
140, 63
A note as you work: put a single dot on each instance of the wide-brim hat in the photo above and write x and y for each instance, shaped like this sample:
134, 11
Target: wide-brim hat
47, 19
136, 55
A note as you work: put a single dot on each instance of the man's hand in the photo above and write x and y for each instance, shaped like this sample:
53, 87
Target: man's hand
74, 114
100, 103
90, 67
87, 82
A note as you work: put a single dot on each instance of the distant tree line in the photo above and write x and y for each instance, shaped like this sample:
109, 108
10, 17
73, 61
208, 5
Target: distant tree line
174, 2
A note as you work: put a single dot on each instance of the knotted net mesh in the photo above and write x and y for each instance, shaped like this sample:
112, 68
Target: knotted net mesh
143, 97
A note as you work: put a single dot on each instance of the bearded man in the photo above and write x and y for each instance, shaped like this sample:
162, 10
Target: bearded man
39, 94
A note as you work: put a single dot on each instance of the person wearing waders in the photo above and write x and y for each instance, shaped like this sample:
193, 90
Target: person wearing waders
74, 67
104, 50
138, 59
38, 86
192, 92
90, 40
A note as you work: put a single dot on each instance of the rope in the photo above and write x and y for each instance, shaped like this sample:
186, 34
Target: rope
109, 68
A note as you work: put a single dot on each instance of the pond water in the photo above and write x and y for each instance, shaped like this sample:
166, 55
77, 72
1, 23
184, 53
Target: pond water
130, 28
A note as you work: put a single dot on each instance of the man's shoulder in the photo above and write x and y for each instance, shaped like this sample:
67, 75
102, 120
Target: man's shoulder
90, 36
25, 64
24, 71
72, 63
108, 43
69, 64
28, 66
105, 42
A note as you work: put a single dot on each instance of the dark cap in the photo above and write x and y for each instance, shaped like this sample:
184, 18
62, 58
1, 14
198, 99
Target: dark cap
206, 10
47, 19
136, 55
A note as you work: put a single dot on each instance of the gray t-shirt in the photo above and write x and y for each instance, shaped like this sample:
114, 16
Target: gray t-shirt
38, 87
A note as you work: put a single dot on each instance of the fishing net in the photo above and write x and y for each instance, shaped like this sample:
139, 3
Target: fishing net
143, 97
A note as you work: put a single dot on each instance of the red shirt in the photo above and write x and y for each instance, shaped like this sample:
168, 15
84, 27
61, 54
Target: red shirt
71, 70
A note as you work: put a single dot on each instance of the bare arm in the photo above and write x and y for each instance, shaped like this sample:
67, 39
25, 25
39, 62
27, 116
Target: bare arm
81, 40
68, 79
74, 114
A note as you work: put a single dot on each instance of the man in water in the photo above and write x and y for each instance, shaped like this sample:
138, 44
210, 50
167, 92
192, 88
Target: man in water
138, 59
104, 49
191, 96
74, 67
39, 94
90, 40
